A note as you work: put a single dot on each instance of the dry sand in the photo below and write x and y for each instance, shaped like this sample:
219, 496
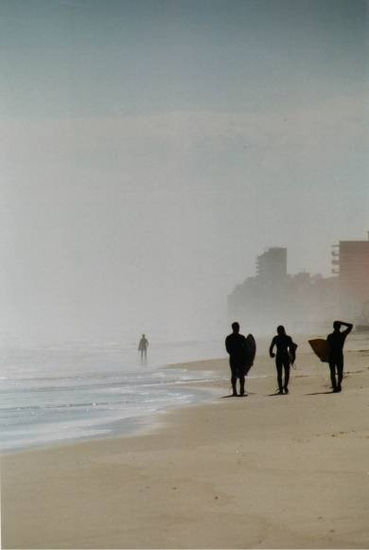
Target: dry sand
257, 472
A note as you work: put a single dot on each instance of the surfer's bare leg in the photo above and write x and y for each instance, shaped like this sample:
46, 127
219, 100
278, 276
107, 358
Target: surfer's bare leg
242, 385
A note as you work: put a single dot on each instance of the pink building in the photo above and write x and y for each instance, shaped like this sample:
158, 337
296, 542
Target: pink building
350, 260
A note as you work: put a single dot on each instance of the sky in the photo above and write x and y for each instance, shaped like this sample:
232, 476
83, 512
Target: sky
151, 149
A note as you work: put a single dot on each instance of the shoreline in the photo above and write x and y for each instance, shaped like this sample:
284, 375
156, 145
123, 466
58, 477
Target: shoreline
204, 387
142, 425
194, 391
258, 472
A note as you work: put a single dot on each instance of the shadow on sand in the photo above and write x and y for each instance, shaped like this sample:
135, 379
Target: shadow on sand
320, 393
231, 395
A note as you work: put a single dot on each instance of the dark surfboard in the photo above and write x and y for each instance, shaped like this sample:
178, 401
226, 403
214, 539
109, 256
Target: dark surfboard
321, 349
250, 351
292, 352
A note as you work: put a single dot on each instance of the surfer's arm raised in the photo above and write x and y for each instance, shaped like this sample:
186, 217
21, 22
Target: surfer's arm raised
348, 325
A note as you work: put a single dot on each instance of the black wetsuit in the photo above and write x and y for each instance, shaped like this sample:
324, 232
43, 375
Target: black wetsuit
336, 342
284, 343
236, 346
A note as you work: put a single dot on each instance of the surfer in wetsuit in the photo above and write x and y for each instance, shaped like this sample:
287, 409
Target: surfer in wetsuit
236, 346
142, 347
336, 341
286, 350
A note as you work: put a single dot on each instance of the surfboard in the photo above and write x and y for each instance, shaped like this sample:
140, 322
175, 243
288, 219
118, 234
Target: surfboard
321, 349
251, 351
292, 352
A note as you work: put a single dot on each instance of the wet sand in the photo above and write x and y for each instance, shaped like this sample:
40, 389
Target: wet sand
262, 471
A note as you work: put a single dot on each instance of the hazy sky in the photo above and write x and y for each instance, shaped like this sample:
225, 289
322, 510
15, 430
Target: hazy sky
150, 149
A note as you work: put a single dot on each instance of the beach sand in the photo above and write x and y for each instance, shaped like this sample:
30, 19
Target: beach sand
262, 471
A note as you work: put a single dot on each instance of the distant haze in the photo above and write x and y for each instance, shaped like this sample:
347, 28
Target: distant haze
150, 150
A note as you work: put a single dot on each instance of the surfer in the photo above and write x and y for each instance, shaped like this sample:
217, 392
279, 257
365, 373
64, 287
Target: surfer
142, 346
336, 341
236, 346
286, 351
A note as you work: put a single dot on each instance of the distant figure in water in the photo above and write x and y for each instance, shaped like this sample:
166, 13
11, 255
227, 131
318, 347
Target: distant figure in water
236, 346
336, 341
142, 347
286, 352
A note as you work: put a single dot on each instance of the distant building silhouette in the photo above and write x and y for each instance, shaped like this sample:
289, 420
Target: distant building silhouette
271, 266
306, 302
350, 261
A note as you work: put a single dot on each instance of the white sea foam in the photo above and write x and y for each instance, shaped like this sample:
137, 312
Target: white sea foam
54, 394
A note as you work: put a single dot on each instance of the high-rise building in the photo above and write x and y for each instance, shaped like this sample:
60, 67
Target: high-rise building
271, 266
303, 302
350, 261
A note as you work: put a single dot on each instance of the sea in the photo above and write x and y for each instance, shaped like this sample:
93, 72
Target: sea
52, 394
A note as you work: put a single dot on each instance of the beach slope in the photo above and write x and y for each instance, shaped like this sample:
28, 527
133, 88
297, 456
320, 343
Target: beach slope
263, 471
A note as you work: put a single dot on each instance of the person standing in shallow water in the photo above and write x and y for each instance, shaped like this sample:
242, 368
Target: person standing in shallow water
142, 347
336, 341
236, 346
286, 350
